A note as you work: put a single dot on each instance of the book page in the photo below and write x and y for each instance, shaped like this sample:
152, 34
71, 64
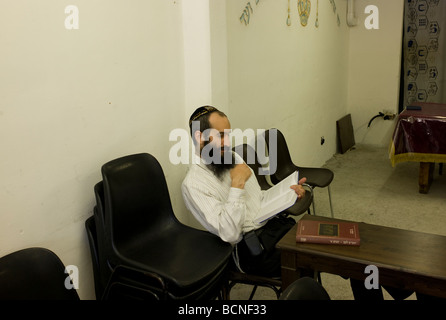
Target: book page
284, 202
280, 188
278, 198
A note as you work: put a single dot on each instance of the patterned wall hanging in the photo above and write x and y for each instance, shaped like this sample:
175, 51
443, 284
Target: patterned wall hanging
424, 51
304, 8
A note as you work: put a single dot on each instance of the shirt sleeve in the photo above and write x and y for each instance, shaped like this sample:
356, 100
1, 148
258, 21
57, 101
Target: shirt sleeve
222, 218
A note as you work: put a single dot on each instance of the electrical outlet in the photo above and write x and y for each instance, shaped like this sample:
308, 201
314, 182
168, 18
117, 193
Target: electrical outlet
388, 115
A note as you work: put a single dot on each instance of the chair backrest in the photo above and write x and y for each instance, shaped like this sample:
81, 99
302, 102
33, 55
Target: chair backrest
34, 274
99, 215
99, 278
305, 289
99, 218
136, 198
285, 165
100, 203
250, 156
105, 274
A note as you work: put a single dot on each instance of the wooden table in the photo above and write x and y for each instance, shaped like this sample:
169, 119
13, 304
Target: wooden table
405, 259
420, 136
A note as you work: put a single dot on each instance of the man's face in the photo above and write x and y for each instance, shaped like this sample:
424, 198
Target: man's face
217, 138
217, 141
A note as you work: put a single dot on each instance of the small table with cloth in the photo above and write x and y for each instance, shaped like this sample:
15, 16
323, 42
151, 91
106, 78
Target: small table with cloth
420, 136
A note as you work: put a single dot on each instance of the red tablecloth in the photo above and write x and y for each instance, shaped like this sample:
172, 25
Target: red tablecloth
420, 135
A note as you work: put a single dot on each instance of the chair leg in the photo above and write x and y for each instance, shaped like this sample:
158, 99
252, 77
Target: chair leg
226, 291
317, 276
253, 292
329, 199
312, 194
277, 291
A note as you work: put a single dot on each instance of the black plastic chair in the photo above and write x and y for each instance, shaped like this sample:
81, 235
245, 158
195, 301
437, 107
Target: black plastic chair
98, 259
97, 238
143, 234
305, 288
99, 285
131, 284
316, 177
120, 282
34, 274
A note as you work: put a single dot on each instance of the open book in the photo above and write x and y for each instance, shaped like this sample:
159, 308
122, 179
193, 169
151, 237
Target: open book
278, 198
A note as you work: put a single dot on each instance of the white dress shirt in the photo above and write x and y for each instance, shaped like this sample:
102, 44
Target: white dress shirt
223, 210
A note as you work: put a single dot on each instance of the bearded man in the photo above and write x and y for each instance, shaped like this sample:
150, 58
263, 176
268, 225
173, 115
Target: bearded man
223, 194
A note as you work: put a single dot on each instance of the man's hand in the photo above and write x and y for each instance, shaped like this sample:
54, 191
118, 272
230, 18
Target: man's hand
299, 189
239, 175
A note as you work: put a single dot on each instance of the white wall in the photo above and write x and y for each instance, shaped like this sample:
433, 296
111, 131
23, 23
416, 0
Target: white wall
290, 77
374, 71
303, 79
197, 54
72, 100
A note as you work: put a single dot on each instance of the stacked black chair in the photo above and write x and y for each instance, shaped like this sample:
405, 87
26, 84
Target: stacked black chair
34, 274
316, 177
95, 226
120, 282
142, 250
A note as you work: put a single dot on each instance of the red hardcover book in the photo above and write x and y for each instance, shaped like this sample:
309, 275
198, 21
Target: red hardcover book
341, 233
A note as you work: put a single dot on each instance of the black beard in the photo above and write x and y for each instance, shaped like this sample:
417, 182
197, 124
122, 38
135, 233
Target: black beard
220, 168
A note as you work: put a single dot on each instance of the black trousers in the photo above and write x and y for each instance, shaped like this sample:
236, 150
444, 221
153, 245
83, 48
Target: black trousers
268, 262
